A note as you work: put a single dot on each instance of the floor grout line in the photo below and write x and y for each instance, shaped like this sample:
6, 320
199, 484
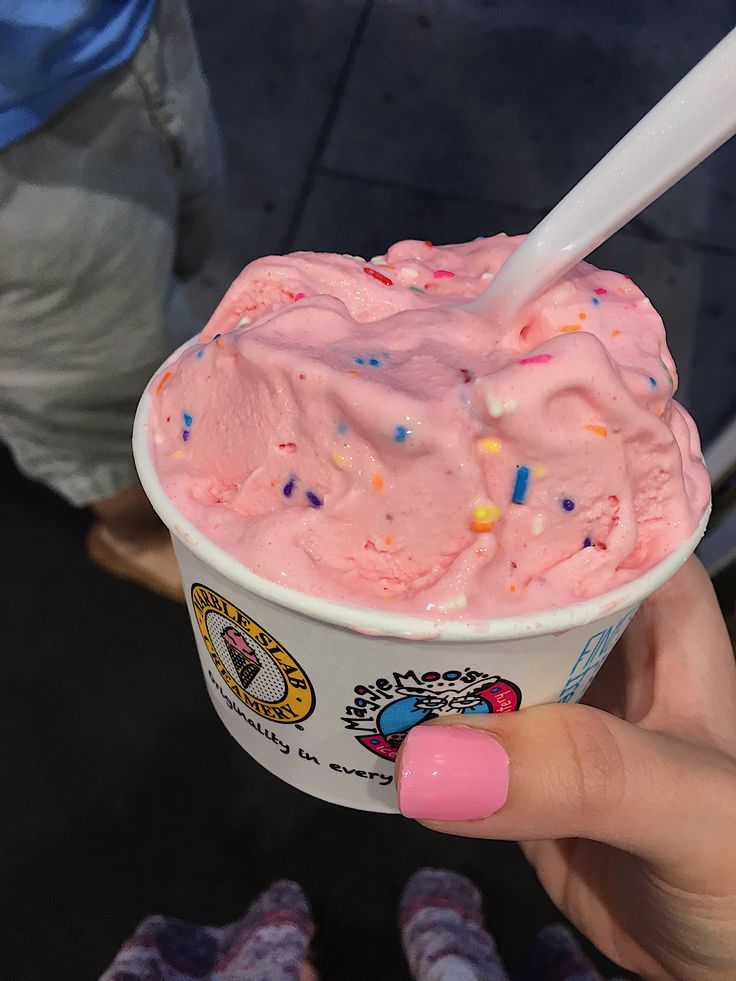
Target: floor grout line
458, 196
327, 122
637, 228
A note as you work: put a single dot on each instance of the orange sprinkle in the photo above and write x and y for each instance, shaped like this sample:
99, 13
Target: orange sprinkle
377, 481
352, 372
582, 315
162, 384
569, 328
388, 540
218, 341
615, 333
598, 430
483, 526
512, 588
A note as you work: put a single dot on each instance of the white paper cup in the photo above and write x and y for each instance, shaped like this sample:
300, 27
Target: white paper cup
321, 693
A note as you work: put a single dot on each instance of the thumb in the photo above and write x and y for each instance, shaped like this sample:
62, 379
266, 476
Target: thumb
567, 771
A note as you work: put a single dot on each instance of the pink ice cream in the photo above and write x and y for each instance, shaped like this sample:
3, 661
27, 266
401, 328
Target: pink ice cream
345, 429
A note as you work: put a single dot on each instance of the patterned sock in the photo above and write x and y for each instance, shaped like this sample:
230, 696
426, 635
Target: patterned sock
270, 943
442, 930
556, 956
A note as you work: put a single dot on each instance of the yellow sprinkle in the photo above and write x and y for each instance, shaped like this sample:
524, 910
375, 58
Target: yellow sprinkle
377, 481
177, 453
488, 445
569, 328
539, 471
598, 430
486, 512
338, 459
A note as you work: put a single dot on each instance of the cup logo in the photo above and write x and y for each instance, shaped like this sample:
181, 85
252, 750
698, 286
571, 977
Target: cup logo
257, 669
382, 713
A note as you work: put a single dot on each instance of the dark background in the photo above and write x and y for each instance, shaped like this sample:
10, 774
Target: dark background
347, 125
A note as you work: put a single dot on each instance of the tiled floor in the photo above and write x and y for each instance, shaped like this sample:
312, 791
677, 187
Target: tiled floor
351, 123
348, 124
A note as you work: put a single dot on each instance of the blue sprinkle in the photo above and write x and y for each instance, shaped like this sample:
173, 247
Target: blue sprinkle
478, 238
520, 485
187, 419
289, 487
652, 382
400, 433
342, 428
185, 435
200, 353
360, 360
374, 363
215, 337
313, 499
568, 505
587, 543
596, 301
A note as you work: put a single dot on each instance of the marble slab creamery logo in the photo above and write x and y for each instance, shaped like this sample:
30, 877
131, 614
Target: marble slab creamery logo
256, 668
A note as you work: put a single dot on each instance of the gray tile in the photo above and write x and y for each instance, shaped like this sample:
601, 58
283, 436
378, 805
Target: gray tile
687, 286
271, 66
515, 100
363, 218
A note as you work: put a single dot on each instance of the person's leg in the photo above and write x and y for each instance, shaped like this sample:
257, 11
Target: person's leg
129, 541
90, 207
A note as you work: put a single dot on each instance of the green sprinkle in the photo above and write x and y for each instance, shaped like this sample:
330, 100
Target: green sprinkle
667, 372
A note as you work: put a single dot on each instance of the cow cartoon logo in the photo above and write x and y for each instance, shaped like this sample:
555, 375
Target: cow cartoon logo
257, 669
382, 713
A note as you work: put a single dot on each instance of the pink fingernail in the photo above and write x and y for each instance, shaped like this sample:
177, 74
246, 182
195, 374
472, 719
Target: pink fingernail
451, 773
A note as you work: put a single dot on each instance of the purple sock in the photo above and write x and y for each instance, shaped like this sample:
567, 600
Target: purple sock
270, 943
556, 956
441, 920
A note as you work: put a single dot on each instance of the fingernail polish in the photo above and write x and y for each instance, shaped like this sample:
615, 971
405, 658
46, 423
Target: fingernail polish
451, 773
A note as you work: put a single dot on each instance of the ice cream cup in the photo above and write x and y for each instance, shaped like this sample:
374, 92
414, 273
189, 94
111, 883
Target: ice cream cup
322, 693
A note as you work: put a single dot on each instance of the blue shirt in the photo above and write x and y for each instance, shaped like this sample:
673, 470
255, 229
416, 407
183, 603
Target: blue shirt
52, 50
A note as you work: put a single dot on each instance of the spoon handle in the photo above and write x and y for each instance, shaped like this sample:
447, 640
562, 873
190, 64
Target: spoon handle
695, 117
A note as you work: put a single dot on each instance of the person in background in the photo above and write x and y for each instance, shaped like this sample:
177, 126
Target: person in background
110, 192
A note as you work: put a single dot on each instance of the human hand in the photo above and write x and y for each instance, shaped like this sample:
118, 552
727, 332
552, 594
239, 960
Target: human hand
628, 815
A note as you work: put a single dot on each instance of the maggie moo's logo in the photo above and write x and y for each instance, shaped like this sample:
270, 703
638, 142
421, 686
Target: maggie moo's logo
382, 713
257, 669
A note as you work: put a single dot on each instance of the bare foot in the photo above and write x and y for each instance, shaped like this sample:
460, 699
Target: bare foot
129, 541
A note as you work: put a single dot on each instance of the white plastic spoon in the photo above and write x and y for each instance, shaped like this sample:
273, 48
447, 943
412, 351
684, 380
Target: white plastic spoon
696, 117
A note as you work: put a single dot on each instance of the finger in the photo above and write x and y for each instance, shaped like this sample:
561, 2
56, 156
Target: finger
564, 771
676, 665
